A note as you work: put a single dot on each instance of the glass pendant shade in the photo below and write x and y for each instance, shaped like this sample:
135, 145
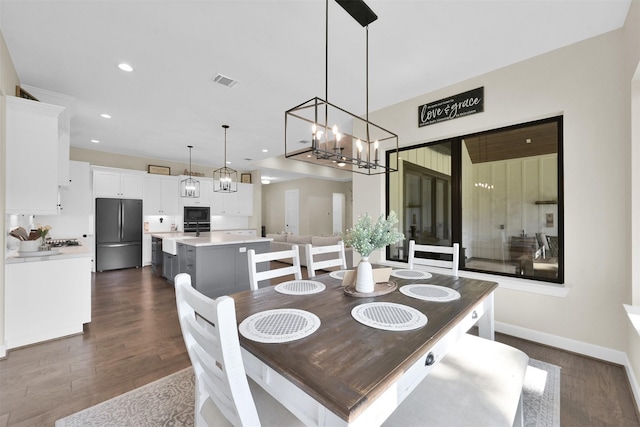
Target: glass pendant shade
225, 180
190, 187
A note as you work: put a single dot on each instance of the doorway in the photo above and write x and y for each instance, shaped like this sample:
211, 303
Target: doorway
292, 211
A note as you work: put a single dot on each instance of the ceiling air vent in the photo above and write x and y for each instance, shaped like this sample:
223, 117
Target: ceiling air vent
224, 80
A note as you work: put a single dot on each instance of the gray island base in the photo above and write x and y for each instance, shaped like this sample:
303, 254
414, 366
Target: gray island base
216, 263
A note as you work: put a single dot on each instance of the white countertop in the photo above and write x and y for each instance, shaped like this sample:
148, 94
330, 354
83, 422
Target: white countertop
210, 239
61, 253
223, 239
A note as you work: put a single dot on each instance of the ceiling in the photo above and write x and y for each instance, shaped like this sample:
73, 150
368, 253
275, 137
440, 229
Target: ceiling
513, 143
275, 49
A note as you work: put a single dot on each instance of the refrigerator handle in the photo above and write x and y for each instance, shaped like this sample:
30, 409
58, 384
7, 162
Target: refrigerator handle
121, 221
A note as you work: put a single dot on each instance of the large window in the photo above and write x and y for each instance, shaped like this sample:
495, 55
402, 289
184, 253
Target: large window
497, 193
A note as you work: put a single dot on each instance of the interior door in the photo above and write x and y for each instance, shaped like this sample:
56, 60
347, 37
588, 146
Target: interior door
338, 213
291, 212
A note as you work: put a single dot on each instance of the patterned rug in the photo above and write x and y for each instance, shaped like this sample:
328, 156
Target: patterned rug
169, 402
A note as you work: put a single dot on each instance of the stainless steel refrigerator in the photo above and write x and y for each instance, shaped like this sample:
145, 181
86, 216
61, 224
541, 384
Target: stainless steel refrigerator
118, 234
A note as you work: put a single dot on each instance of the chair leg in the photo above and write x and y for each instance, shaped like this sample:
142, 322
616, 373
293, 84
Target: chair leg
518, 421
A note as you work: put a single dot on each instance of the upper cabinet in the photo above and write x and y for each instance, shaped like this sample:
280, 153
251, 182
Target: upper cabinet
206, 193
64, 127
239, 203
161, 194
118, 183
75, 197
32, 154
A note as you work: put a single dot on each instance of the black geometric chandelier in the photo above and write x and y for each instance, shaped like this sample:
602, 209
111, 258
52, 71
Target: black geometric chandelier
189, 187
227, 178
322, 133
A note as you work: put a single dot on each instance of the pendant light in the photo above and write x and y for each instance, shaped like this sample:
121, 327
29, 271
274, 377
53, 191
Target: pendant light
190, 187
321, 133
225, 180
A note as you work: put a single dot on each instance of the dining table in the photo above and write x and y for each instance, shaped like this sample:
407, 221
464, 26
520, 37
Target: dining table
334, 357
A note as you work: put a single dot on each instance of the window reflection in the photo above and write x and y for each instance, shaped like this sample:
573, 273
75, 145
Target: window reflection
510, 218
423, 197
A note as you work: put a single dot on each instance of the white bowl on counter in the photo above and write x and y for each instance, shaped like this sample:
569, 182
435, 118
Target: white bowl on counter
30, 245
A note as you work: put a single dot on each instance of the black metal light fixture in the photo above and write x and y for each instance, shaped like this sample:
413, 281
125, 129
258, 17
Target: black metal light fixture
225, 180
321, 133
190, 187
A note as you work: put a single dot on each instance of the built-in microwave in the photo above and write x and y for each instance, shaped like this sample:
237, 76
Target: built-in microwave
197, 218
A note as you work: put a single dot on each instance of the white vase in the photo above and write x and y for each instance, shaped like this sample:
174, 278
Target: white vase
364, 279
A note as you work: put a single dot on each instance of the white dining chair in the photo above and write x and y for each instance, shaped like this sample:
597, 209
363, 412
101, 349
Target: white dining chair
454, 251
224, 396
478, 383
338, 260
256, 274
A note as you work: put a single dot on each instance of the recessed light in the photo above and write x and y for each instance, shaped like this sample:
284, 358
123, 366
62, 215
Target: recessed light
125, 67
528, 141
265, 150
265, 181
228, 162
106, 116
95, 141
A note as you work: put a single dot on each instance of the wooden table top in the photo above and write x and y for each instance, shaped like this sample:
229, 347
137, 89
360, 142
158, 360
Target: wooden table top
345, 364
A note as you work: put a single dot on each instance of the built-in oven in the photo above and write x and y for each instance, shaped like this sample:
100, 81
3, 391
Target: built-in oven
197, 218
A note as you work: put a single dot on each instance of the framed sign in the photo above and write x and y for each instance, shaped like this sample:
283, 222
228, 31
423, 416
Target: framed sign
160, 170
453, 107
245, 178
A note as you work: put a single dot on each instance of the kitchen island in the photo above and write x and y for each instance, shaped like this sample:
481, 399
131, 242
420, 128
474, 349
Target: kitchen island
216, 262
47, 295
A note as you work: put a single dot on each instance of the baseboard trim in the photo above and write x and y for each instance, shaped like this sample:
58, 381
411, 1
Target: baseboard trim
633, 382
591, 350
3, 351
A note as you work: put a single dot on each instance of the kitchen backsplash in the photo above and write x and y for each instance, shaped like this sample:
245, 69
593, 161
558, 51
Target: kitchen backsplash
155, 225
67, 226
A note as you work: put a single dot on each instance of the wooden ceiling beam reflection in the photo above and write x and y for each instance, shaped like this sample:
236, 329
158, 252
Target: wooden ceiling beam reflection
512, 144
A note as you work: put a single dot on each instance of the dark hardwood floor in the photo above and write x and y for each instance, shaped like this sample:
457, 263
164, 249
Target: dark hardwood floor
134, 338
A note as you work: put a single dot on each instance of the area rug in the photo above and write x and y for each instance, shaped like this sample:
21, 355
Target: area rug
169, 402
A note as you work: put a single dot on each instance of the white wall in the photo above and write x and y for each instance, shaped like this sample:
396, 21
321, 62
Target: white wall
589, 84
316, 205
632, 33
8, 82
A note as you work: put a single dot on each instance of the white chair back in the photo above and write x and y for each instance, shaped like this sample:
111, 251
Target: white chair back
210, 334
254, 259
339, 261
454, 251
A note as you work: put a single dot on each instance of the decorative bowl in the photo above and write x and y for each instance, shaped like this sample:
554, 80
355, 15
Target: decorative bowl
30, 245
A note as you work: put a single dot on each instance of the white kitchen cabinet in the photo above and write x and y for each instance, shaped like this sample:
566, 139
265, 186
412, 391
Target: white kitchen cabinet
206, 193
32, 136
146, 250
161, 194
239, 203
75, 197
46, 300
118, 184
245, 199
64, 127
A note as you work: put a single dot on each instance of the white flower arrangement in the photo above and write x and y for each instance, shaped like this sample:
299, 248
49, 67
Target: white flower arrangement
43, 230
365, 236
